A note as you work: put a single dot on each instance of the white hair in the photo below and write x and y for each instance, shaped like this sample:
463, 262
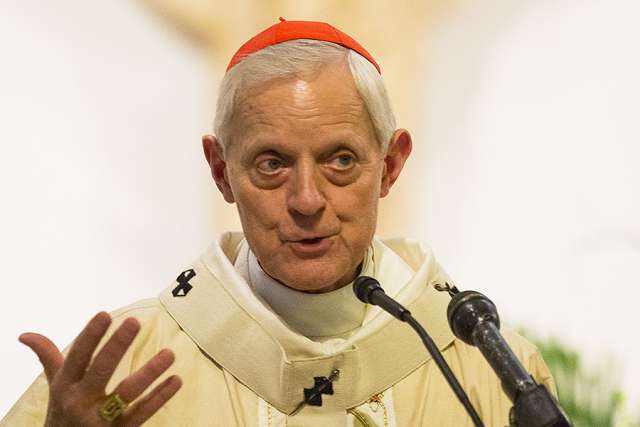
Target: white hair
301, 56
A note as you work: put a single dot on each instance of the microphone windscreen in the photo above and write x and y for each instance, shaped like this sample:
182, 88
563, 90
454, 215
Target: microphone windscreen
466, 309
363, 286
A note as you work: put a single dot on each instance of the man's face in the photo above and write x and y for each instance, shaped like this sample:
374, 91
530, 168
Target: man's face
305, 170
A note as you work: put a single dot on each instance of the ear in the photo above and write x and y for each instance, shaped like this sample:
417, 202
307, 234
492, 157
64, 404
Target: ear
215, 157
397, 153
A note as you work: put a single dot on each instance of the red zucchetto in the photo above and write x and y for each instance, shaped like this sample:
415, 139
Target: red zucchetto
291, 30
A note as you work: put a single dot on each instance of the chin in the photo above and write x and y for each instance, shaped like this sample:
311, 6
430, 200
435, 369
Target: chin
311, 278
306, 271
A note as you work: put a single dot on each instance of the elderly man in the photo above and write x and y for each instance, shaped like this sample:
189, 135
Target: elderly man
305, 145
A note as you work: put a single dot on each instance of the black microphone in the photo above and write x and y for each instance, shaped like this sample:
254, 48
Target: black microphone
474, 319
369, 291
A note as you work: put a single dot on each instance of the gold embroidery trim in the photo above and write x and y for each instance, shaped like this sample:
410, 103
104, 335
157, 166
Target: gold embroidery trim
269, 416
378, 401
362, 418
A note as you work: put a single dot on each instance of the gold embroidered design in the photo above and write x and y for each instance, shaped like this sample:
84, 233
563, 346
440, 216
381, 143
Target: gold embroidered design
269, 416
375, 402
363, 419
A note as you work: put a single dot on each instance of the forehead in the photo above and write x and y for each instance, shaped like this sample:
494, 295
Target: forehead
321, 104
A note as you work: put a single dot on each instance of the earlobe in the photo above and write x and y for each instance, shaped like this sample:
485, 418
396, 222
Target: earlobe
397, 154
214, 155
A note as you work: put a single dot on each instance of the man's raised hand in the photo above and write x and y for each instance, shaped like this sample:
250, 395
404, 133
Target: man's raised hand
77, 384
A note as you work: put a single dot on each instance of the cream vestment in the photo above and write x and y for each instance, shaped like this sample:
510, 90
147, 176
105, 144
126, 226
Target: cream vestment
242, 365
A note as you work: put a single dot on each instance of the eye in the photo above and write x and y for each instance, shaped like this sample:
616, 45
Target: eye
343, 161
270, 166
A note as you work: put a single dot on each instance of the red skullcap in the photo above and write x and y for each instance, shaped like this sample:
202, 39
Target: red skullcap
291, 30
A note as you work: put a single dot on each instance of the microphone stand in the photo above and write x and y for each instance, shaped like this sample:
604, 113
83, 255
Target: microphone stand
533, 405
474, 319
536, 407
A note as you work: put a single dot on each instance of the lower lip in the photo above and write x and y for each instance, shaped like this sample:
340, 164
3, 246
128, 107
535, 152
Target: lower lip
317, 248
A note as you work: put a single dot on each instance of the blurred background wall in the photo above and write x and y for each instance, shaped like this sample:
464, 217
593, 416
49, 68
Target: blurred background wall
524, 176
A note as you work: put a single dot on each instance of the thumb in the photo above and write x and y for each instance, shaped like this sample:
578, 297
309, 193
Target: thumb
49, 355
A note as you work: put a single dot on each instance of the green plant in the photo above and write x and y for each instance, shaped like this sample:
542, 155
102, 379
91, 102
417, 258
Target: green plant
591, 398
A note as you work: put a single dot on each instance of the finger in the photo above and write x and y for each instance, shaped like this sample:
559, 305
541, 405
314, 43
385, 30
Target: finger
105, 362
144, 409
49, 355
83, 347
135, 384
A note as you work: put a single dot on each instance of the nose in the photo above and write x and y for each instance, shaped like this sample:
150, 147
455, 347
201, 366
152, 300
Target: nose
305, 197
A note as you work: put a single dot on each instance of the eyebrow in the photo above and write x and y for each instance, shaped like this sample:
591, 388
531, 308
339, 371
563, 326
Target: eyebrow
268, 145
259, 147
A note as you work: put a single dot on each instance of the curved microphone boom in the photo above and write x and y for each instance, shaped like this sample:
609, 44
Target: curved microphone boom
474, 319
369, 291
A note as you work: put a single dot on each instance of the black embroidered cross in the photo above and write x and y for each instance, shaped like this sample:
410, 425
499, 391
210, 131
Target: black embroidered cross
313, 395
184, 286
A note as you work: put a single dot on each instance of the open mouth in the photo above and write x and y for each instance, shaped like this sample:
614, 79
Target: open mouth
311, 241
314, 247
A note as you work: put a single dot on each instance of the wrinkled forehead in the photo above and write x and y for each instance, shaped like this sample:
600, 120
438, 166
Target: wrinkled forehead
302, 111
323, 101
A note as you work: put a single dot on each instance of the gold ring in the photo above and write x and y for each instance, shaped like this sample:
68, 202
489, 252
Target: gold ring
113, 407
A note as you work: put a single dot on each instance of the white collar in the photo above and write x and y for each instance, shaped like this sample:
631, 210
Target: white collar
319, 317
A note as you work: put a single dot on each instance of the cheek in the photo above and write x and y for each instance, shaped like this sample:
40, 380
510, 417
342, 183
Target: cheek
258, 208
357, 209
359, 201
